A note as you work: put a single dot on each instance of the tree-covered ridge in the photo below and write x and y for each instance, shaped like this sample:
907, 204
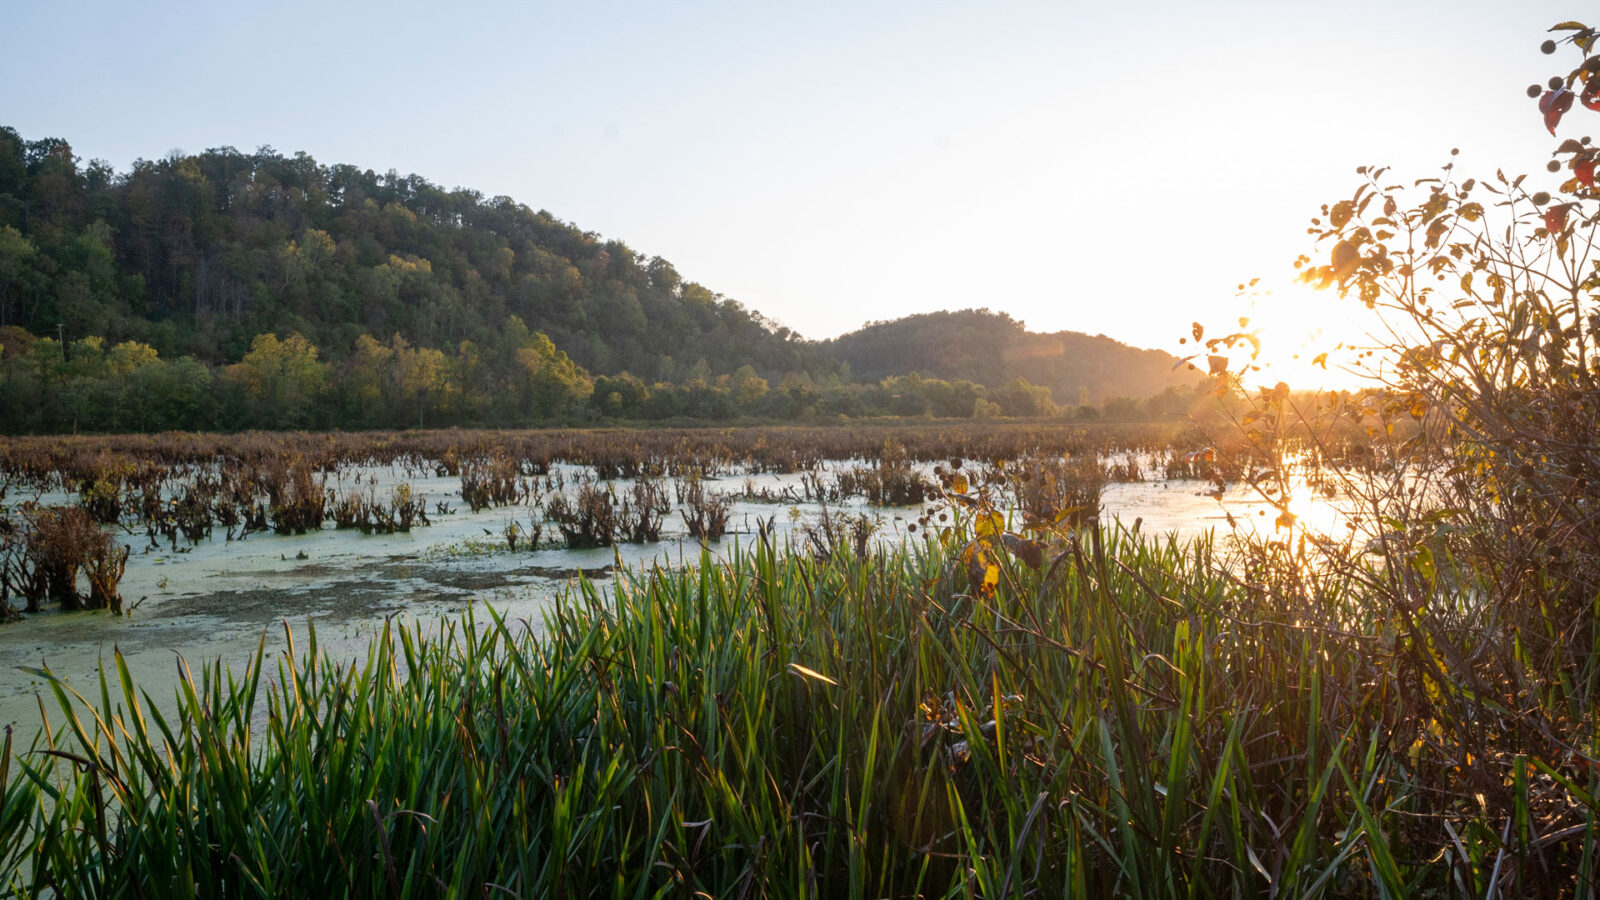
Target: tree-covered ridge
227, 290
994, 349
198, 254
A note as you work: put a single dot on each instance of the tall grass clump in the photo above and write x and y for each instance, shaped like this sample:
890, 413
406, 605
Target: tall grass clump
296, 494
596, 518
704, 513
890, 480
1058, 490
491, 481
45, 550
1107, 715
590, 519
371, 515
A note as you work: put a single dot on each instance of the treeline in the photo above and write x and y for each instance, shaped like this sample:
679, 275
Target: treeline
519, 379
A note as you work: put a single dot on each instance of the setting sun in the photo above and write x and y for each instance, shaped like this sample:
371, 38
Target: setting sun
1311, 339
1321, 333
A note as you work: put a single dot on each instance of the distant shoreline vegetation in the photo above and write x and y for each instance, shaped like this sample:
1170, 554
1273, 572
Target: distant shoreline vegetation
92, 385
225, 290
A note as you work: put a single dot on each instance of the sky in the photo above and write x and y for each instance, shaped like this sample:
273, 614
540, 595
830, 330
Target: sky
1114, 168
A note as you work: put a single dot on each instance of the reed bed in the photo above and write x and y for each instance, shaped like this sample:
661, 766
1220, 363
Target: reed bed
186, 487
1114, 716
101, 467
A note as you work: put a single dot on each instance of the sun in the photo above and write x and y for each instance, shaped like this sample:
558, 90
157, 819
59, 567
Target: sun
1310, 339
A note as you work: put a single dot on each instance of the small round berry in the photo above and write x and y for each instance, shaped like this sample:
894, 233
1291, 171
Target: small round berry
1534, 91
1553, 165
1547, 48
1557, 83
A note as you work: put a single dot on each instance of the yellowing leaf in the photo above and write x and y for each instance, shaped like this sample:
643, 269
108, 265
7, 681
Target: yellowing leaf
811, 673
989, 524
982, 571
1434, 690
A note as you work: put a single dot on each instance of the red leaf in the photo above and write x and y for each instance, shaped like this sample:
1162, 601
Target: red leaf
1554, 104
1591, 94
1584, 170
1555, 218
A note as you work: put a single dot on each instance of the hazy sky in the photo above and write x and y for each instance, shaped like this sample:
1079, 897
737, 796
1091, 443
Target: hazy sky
1101, 167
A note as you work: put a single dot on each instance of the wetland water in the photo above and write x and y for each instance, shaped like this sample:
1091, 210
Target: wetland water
219, 599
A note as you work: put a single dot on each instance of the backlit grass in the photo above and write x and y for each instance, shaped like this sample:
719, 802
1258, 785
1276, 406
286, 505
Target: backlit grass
1126, 719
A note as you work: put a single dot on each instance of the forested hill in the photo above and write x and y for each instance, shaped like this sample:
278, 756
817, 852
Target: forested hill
233, 290
992, 349
198, 254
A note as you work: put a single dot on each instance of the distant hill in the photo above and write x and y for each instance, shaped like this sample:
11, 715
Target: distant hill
197, 254
991, 349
